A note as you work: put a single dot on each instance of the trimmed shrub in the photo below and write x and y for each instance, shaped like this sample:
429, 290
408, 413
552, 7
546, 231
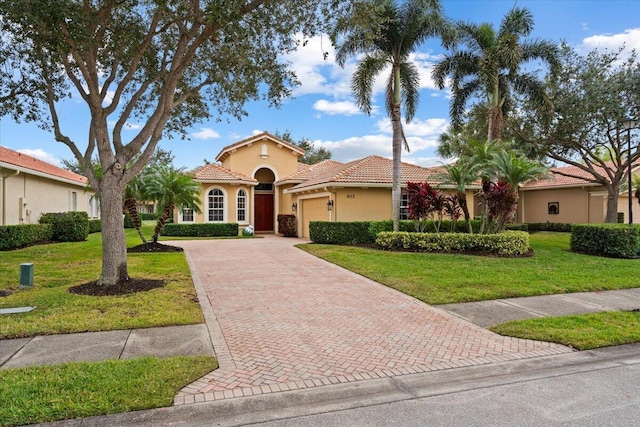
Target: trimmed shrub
95, 226
620, 217
508, 243
213, 229
148, 216
549, 226
611, 240
288, 225
517, 227
459, 226
340, 233
17, 236
67, 226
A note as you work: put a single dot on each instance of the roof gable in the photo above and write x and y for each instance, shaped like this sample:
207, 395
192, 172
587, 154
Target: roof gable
226, 151
15, 160
216, 173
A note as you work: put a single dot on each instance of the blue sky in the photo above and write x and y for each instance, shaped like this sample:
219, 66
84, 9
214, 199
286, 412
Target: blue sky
323, 109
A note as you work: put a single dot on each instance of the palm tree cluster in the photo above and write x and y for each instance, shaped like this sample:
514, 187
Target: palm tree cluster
169, 188
387, 32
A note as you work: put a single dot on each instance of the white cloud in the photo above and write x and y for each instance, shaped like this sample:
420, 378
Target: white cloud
41, 154
630, 38
132, 126
347, 108
205, 133
422, 136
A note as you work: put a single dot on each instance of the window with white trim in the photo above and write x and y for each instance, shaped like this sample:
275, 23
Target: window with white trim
242, 206
404, 206
188, 215
216, 205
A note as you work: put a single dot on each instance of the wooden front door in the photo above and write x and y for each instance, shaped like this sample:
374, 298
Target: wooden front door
264, 212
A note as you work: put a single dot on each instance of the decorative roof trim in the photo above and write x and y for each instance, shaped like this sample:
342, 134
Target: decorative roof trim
226, 151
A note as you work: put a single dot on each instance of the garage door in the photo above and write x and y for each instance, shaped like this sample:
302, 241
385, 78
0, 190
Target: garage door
313, 210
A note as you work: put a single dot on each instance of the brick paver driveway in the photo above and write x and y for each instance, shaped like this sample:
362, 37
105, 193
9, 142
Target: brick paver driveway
283, 319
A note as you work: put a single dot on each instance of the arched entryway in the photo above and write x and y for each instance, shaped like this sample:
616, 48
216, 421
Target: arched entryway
264, 200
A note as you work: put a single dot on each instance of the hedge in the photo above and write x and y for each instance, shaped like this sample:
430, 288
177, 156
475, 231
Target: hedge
459, 226
148, 216
509, 243
95, 226
611, 240
17, 236
340, 233
67, 226
213, 229
549, 226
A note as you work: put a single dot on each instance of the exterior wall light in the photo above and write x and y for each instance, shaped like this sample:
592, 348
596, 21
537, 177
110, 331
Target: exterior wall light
330, 205
294, 207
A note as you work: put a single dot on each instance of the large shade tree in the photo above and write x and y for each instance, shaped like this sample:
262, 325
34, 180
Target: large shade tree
593, 95
161, 64
491, 67
386, 33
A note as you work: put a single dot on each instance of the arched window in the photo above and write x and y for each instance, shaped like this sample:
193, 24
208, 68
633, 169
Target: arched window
215, 208
242, 206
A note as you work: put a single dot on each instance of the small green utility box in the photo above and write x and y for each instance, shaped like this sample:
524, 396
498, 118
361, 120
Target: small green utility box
26, 274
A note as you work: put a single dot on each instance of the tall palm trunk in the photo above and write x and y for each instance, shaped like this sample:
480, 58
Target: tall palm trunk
162, 220
130, 206
396, 124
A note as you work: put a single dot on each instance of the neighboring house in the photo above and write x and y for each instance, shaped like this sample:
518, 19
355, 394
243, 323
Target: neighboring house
30, 187
562, 199
260, 177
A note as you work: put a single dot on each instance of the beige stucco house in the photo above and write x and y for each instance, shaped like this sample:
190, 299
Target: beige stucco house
260, 177
30, 187
563, 199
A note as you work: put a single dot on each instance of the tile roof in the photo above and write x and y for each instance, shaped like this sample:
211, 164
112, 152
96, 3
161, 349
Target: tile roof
14, 158
226, 150
579, 178
372, 170
308, 172
214, 172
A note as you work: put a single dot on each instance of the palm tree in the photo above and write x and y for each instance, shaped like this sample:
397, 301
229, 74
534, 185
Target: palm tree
387, 39
171, 188
462, 174
491, 67
513, 169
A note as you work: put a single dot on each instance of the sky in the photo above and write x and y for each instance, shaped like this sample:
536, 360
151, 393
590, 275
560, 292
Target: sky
323, 110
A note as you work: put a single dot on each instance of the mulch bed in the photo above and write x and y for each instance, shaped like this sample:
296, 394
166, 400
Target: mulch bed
121, 288
154, 247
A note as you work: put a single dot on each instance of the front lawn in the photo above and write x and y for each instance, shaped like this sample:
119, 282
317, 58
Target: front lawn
58, 266
582, 332
447, 278
49, 393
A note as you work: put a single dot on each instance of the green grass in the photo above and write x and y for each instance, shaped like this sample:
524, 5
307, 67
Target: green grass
59, 266
448, 278
49, 393
582, 332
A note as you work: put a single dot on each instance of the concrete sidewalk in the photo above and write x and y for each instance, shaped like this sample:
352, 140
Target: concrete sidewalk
490, 313
188, 340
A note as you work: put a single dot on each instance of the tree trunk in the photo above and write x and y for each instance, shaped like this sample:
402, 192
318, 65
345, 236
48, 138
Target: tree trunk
612, 206
114, 248
462, 200
396, 189
162, 220
130, 205
396, 124
495, 123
